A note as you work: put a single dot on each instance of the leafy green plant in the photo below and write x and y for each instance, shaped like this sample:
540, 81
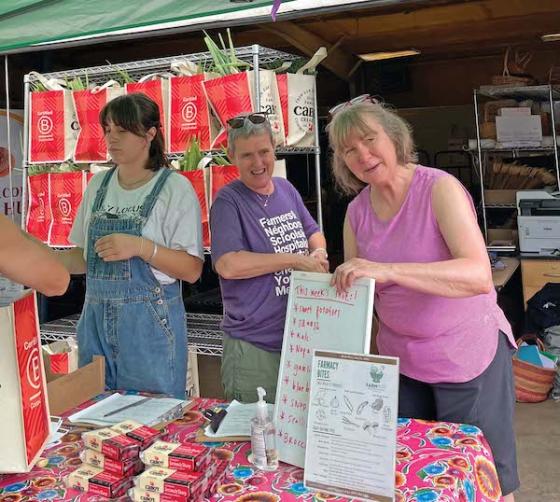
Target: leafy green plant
225, 59
122, 76
192, 157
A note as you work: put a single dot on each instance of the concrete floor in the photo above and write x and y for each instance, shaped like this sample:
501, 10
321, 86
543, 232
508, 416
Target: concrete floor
538, 451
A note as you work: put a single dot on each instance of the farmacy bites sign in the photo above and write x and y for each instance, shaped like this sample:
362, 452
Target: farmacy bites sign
24, 411
10, 164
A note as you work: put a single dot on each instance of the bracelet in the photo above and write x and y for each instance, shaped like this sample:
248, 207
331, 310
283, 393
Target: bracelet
154, 252
319, 249
141, 246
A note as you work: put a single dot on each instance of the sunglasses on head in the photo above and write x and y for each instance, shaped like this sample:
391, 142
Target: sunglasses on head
358, 99
254, 118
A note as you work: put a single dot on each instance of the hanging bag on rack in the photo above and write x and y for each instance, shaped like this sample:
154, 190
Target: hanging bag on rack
220, 176
52, 122
297, 95
90, 144
39, 214
189, 114
269, 103
66, 192
234, 94
228, 96
197, 180
156, 87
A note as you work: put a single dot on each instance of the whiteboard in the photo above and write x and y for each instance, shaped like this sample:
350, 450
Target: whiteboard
317, 317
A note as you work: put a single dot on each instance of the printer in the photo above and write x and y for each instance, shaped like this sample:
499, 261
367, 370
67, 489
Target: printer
538, 221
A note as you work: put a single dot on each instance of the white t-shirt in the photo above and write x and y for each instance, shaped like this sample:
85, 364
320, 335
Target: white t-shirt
174, 221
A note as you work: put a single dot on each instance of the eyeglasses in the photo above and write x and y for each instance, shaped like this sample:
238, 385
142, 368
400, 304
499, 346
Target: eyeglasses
239, 121
354, 101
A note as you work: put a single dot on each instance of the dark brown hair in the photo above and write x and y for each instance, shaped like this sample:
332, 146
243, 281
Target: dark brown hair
137, 113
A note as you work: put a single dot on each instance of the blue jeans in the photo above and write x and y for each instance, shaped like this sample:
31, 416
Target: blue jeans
131, 319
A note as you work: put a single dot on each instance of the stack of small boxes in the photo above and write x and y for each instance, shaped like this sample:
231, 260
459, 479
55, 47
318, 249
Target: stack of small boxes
178, 472
112, 458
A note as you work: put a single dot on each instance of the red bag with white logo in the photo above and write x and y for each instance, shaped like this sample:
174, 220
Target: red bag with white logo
66, 191
297, 97
220, 176
228, 96
24, 413
52, 126
197, 179
39, 209
157, 90
189, 114
90, 144
235, 94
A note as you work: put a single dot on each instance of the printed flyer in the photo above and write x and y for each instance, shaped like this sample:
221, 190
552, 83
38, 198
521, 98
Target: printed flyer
352, 425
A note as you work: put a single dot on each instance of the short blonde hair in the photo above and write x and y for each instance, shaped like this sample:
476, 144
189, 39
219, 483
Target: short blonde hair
351, 120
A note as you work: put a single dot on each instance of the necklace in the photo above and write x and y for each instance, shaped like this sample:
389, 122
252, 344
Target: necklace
134, 184
264, 200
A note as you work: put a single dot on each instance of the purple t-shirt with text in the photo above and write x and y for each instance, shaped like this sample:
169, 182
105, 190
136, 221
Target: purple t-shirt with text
255, 309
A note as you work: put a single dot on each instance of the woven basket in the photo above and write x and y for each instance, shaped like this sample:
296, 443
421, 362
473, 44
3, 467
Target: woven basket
532, 383
507, 79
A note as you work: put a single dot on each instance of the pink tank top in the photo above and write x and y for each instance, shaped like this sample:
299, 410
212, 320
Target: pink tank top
437, 339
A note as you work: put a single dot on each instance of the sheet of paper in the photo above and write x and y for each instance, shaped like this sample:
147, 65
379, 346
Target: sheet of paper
56, 431
10, 291
352, 425
150, 412
237, 421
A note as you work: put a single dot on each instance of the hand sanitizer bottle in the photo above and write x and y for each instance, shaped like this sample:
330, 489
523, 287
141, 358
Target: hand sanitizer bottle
263, 437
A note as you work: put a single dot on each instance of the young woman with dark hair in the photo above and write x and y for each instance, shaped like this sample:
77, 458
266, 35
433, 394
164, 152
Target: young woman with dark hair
137, 234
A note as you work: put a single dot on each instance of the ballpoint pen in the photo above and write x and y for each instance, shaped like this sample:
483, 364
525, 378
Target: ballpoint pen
122, 408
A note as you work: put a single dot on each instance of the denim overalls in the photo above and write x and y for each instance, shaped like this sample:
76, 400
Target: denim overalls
131, 319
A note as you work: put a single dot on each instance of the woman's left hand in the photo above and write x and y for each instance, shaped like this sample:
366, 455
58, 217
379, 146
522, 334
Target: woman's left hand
345, 274
116, 247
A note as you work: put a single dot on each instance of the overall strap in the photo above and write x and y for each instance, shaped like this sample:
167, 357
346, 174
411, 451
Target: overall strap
102, 191
150, 200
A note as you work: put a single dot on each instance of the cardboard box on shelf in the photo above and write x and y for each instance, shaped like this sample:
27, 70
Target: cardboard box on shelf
515, 111
503, 236
24, 409
519, 129
67, 391
492, 196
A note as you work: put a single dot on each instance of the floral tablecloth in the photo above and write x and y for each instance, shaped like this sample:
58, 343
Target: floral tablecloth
436, 461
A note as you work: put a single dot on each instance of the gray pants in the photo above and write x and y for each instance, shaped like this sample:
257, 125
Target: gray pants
246, 367
486, 401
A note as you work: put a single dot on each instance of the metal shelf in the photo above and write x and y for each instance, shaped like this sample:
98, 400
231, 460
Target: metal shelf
543, 93
513, 149
137, 69
535, 92
500, 206
204, 333
255, 56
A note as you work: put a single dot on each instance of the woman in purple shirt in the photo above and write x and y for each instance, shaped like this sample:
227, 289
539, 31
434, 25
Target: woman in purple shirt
414, 230
261, 231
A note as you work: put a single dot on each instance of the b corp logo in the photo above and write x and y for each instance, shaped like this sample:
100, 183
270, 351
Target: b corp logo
34, 369
45, 125
64, 207
189, 112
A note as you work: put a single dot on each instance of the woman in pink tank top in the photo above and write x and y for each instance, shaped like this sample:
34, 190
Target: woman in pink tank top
414, 230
